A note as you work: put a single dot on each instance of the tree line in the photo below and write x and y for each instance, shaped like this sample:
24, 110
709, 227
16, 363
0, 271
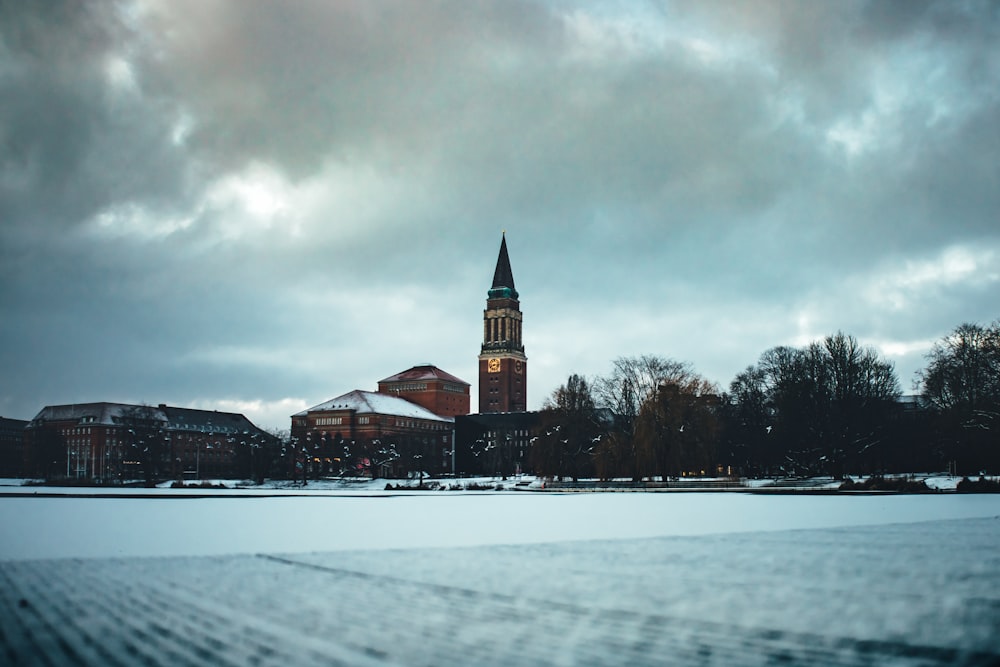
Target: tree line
833, 407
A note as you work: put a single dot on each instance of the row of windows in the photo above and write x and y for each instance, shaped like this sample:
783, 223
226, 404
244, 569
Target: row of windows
410, 423
522, 432
175, 428
386, 421
409, 386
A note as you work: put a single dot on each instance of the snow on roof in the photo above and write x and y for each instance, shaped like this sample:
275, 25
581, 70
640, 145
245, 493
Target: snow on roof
99, 413
182, 419
370, 402
423, 372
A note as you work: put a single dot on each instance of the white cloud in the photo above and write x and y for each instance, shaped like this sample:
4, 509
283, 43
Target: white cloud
120, 74
254, 198
903, 284
265, 413
129, 219
314, 185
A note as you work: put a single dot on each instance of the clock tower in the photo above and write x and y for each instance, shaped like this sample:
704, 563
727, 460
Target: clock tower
503, 368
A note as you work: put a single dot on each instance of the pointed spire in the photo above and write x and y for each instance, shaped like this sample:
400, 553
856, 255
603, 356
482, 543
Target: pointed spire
503, 277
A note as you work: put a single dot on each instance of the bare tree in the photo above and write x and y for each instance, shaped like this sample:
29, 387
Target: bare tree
962, 382
630, 388
569, 430
823, 408
964, 370
144, 429
748, 419
677, 429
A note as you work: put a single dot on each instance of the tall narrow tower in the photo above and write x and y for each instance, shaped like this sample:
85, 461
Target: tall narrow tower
503, 368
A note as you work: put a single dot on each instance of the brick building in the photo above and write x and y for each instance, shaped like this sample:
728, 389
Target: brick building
115, 442
375, 434
430, 387
497, 440
503, 366
408, 425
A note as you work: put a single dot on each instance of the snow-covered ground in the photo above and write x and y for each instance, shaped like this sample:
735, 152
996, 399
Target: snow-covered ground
369, 577
241, 521
362, 486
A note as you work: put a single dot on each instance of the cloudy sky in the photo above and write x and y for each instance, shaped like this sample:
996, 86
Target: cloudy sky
257, 206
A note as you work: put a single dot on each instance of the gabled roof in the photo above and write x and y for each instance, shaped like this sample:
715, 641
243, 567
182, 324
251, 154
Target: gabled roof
178, 419
8, 425
503, 276
423, 372
189, 419
370, 402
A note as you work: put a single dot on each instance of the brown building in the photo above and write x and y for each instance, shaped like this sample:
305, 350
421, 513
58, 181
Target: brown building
372, 434
428, 386
503, 367
115, 442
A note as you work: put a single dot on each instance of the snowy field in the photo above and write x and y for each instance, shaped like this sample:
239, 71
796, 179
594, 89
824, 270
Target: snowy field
510, 578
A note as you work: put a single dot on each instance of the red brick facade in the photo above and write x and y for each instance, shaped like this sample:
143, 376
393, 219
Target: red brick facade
372, 434
503, 366
107, 442
430, 387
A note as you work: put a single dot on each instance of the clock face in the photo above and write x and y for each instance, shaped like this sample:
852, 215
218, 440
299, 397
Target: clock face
493, 365
517, 366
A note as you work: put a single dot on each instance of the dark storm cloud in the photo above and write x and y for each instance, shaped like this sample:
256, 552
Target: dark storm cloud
250, 201
72, 143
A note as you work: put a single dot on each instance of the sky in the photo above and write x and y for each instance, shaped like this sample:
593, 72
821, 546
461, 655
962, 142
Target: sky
258, 206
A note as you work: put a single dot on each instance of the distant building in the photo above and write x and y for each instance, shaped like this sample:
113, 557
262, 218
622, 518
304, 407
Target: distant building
497, 440
12, 447
503, 366
428, 386
115, 442
406, 427
495, 443
409, 424
372, 434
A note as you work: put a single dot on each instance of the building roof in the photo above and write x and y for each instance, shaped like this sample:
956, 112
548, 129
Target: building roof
180, 419
8, 425
503, 277
424, 372
97, 413
370, 402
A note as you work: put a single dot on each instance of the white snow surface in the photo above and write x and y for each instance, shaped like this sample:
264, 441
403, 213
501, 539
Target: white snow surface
166, 523
282, 576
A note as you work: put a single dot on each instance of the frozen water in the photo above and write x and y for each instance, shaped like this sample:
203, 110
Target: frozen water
508, 579
175, 525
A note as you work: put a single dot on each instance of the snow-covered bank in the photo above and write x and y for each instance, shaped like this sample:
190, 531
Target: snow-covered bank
47, 527
368, 487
